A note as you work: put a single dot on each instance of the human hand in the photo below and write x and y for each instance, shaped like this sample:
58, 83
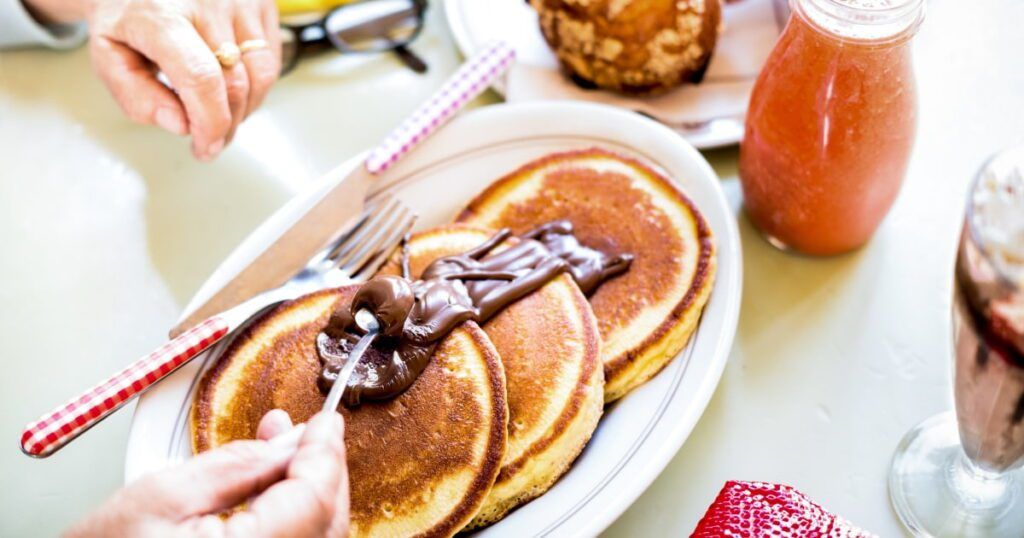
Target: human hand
131, 40
301, 489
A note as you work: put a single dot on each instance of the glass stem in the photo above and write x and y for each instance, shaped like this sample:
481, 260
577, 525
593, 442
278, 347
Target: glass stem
978, 489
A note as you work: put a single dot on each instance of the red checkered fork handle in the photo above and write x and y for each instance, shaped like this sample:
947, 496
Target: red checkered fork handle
58, 427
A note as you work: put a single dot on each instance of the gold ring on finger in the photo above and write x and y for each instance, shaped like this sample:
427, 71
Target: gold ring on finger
228, 54
250, 45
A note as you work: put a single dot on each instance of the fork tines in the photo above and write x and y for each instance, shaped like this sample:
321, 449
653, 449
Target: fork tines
361, 251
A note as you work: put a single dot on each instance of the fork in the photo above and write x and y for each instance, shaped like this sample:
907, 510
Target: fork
729, 126
353, 257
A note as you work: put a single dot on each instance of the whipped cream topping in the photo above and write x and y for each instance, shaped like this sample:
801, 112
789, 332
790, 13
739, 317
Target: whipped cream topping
997, 213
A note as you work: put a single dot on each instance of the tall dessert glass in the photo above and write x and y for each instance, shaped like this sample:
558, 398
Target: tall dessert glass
962, 477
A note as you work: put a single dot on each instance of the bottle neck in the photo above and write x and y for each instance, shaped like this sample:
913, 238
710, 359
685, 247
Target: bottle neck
873, 21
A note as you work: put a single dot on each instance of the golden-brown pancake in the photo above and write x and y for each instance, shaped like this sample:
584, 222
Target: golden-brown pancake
420, 464
550, 348
618, 205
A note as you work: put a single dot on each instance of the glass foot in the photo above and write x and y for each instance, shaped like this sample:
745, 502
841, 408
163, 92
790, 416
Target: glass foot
938, 492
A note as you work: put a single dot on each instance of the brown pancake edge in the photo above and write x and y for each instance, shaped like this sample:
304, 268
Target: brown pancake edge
622, 372
419, 437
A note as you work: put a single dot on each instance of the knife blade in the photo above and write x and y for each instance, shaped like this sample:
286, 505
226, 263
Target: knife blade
343, 202
290, 251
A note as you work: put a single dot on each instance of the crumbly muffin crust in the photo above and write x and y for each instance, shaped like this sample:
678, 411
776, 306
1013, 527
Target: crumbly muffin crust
631, 46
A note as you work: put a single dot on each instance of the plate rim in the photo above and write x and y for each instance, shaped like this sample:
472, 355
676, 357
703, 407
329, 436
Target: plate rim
731, 280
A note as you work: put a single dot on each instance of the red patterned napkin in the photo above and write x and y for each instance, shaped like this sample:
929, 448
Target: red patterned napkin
759, 509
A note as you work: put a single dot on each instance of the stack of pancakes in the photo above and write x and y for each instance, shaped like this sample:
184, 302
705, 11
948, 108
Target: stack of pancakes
501, 411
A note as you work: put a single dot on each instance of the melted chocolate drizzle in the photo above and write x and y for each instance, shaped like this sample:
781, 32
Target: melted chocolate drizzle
415, 315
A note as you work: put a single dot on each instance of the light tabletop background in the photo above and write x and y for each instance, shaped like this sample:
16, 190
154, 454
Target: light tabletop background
107, 228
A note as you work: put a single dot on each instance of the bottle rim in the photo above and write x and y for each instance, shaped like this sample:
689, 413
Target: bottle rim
867, 20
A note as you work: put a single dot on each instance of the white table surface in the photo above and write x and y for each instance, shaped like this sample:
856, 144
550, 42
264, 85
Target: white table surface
107, 228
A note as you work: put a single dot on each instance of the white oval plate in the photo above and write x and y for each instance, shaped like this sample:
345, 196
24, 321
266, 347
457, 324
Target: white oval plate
638, 435
708, 115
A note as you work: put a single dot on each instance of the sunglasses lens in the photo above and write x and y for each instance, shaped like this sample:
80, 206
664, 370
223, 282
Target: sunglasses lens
374, 26
289, 49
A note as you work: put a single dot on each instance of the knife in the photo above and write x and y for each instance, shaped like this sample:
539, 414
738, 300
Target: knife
344, 202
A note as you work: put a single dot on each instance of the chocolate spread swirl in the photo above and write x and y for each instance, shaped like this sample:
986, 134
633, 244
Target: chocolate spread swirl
415, 315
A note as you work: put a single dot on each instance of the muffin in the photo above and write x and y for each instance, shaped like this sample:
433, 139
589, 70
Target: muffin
631, 46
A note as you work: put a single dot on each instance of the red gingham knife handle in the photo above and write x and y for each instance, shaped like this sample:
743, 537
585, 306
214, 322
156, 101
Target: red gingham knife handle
475, 76
58, 427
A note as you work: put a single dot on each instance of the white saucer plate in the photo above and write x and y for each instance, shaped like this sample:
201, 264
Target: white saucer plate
639, 434
709, 114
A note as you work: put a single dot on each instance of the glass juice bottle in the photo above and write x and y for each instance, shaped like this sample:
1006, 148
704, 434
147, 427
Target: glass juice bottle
831, 124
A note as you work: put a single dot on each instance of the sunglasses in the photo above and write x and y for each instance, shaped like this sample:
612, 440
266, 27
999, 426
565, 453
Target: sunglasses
361, 27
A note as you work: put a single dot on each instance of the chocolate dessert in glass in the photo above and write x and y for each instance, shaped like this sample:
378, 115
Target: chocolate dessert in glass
963, 477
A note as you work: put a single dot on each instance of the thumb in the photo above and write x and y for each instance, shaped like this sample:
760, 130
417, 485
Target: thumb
313, 499
215, 480
131, 79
